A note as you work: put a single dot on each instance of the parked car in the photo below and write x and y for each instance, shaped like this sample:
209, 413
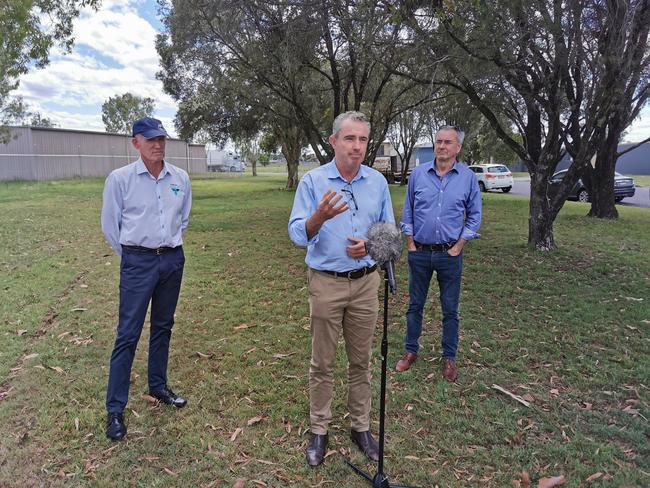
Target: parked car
493, 177
623, 187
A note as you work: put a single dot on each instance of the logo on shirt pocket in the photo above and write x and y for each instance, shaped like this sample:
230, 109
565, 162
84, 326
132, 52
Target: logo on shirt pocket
175, 188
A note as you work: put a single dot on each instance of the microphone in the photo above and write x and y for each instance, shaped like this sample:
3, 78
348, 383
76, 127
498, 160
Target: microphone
385, 246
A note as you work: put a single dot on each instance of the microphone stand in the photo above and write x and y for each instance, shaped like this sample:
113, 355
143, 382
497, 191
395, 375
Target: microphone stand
380, 480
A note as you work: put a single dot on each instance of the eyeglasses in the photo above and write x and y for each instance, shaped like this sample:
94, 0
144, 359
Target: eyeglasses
347, 189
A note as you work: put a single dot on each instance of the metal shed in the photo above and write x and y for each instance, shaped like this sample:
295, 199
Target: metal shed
36, 153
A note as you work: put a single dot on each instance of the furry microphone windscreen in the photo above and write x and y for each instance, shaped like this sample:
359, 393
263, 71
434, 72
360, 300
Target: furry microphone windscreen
384, 242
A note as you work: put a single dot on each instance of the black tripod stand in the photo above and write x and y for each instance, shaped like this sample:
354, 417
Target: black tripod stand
380, 480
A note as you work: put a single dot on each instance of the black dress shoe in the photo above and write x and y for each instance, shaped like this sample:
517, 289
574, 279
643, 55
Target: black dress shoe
316, 449
169, 397
366, 443
115, 428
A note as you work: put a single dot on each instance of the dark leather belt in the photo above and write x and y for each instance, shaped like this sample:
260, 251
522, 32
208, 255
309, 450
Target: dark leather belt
354, 274
435, 247
149, 250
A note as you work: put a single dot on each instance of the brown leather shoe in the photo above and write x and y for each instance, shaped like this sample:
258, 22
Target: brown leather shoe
449, 371
366, 443
316, 449
405, 362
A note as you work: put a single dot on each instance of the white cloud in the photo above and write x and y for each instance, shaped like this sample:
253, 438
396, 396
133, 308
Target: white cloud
114, 53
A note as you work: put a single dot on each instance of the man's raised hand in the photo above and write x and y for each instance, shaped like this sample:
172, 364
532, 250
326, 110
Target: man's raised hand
329, 206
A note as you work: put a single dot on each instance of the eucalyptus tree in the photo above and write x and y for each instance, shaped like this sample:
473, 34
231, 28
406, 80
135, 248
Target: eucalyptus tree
623, 46
289, 65
119, 112
539, 68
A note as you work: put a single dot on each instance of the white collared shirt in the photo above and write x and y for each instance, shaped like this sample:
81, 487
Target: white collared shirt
140, 210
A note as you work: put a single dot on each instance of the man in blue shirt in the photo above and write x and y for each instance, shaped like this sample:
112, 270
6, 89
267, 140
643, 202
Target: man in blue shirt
442, 211
334, 206
146, 209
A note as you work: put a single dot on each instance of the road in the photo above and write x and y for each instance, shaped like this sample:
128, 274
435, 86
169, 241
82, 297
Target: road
641, 196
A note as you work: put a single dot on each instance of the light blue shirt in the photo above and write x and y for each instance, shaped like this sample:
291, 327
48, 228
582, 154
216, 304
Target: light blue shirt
140, 210
327, 249
440, 210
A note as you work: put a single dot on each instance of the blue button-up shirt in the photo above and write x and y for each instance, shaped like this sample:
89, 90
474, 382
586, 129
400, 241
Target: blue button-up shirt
140, 210
327, 249
440, 210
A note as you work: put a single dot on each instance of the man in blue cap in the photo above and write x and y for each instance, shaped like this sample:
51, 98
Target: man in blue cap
146, 208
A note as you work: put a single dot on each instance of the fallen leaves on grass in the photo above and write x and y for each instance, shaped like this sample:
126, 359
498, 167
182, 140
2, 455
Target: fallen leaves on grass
594, 476
170, 472
240, 483
523, 481
21, 331
234, 435
203, 356
255, 420
149, 458
58, 369
240, 326
149, 398
551, 482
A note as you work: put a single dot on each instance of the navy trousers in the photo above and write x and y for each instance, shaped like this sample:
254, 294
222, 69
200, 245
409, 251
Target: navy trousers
448, 269
144, 277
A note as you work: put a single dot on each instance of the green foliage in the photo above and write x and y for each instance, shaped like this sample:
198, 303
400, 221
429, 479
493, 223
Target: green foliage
119, 112
295, 67
269, 142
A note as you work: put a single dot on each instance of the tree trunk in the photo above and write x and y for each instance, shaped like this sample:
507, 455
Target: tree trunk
254, 167
541, 216
291, 140
601, 193
405, 165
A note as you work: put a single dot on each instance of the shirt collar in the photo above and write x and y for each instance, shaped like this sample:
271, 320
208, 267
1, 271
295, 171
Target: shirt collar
333, 172
140, 168
432, 166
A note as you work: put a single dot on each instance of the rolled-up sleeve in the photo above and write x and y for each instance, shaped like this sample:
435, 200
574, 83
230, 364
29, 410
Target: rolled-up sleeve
473, 215
406, 223
111, 217
304, 205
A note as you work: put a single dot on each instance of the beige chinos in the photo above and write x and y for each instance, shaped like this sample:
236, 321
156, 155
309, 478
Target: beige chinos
335, 303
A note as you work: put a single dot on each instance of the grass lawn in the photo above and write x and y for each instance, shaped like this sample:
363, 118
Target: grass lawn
642, 180
280, 168
568, 331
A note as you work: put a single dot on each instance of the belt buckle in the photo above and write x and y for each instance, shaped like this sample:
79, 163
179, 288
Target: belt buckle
158, 251
349, 275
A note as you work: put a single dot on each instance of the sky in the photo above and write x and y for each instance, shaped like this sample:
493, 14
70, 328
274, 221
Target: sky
115, 53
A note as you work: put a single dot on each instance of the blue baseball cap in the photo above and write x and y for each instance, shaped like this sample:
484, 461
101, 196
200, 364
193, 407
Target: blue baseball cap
149, 128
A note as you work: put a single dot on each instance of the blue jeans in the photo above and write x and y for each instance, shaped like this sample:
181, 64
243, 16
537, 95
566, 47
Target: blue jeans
144, 277
448, 270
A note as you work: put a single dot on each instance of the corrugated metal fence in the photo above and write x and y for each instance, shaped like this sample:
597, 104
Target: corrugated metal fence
36, 153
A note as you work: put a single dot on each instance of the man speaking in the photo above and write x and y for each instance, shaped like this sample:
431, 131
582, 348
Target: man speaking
334, 206
146, 209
